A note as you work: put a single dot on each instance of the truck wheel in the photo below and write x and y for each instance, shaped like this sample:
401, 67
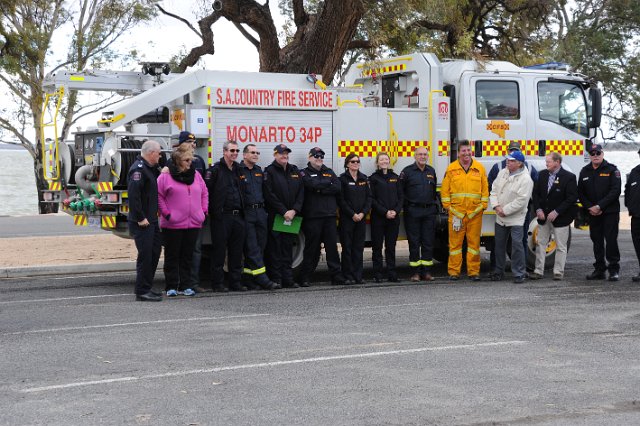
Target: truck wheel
550, 250
298, 249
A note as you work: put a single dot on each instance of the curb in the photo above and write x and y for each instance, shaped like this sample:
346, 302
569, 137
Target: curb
73, 269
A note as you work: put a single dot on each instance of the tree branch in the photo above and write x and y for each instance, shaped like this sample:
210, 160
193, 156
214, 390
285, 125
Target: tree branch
247, 35
179, 18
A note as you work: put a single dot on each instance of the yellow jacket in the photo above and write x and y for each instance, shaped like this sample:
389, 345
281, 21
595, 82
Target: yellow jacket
465, 193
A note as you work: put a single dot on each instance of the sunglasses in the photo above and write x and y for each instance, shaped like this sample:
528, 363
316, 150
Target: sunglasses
233, 150
354, 161
253, 152
595, 153
320, 156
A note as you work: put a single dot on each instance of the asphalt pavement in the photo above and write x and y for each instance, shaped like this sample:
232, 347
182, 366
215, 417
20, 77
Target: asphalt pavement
77, 350
49, 225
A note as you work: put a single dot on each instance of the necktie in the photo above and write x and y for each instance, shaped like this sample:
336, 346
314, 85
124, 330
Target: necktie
552, 178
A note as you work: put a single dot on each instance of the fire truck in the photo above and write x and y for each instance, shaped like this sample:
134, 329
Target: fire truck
393, 105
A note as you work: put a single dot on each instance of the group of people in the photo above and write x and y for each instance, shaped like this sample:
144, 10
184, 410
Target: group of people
256, 214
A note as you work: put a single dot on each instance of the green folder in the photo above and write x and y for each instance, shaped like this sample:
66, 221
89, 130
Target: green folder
282, 225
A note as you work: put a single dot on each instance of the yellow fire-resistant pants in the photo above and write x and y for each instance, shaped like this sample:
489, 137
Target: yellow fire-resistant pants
471, 229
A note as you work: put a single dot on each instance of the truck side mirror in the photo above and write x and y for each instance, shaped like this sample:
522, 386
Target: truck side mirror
595, 98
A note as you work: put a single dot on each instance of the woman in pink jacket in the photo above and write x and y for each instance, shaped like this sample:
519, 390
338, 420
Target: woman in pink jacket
183, 201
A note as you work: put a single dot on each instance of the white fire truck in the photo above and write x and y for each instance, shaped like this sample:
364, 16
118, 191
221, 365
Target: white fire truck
393, 105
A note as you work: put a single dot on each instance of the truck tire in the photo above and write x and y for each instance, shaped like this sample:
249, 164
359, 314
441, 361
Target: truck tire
551, 247
298, 249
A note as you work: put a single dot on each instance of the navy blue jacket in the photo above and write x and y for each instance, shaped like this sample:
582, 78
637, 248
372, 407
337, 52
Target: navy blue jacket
321, 192
142, 186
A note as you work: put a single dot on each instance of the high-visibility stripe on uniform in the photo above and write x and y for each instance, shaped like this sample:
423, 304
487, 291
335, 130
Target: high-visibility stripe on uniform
414, 264
454, 252
475, 212
255, 272
465, 195
426, 262
456, 213
472, 251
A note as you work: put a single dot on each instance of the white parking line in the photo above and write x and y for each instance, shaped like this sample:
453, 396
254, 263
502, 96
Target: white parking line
129, 324
270, 364
58, 299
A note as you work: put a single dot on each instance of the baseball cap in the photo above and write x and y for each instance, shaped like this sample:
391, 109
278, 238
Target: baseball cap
514, 145
281, 149
516, 155
595, 148
185, 136
315, 151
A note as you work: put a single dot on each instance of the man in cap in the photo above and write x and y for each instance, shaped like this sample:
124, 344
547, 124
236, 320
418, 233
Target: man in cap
599, 187
509, 197
284, 196
493, 173
632, 201
321, 192
255, 217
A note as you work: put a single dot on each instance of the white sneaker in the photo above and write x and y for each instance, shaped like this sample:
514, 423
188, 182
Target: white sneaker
172, 293
188, 292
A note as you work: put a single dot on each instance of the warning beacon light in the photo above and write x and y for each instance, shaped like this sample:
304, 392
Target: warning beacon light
313, 79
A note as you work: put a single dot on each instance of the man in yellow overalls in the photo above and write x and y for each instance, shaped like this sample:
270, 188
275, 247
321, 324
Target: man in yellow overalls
465, 194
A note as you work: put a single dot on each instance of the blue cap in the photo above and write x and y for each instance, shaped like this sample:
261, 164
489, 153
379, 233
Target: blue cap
516, 155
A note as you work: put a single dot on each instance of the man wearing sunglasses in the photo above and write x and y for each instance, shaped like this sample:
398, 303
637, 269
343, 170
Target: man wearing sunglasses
321, 192
226, 209
599, 187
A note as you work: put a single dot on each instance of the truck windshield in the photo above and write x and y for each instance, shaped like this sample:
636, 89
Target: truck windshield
564, 104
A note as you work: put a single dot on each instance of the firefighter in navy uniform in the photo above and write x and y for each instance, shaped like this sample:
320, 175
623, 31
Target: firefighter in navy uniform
387, 201
142, 187
284, 195
255, 217
355, 203
599, 187
632, 201
320, 208
419, 184
226, 211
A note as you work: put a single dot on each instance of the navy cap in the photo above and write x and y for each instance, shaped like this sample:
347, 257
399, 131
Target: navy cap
315, 151
281, 149
516, 155
595, 148
514, 145
185, 136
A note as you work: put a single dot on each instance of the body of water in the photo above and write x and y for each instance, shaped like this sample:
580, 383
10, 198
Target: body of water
18, 195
